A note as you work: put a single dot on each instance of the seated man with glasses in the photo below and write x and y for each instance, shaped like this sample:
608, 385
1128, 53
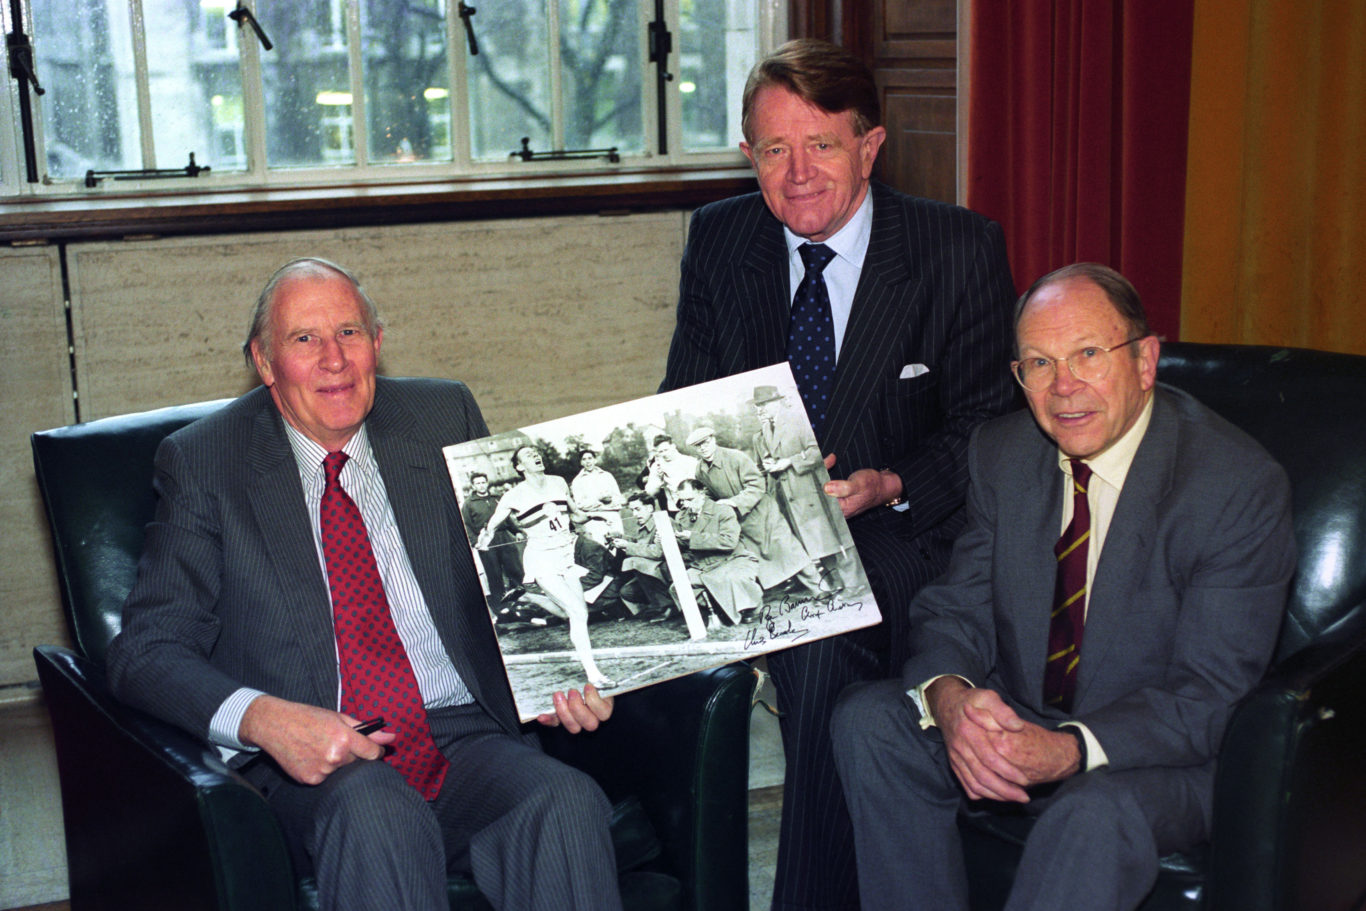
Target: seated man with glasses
1117, 590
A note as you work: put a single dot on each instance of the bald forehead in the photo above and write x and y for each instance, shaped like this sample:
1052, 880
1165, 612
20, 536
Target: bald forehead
1071, 292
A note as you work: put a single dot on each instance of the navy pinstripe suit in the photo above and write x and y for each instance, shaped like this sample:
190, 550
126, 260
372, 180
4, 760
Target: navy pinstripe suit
935, 290
229, 594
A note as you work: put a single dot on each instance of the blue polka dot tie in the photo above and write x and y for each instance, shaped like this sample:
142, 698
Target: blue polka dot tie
811, 335
376, 676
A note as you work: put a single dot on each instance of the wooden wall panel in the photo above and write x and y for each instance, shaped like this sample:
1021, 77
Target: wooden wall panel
911, 46
541, 317
35, 386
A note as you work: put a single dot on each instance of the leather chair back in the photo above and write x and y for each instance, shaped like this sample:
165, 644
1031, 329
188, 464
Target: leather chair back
1308, 408
99, 499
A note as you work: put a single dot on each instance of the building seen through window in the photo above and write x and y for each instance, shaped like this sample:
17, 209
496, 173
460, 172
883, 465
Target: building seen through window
379, 86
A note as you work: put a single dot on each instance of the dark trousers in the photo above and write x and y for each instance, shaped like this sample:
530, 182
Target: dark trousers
532, 831
815, 845
1093, 846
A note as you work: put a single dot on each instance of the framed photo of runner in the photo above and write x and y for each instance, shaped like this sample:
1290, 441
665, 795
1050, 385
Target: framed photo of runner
643, 541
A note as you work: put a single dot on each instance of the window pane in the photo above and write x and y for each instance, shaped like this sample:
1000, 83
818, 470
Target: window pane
509, 79
306, 83
407, 85
717, 46
602, 50
194, 81
84, 59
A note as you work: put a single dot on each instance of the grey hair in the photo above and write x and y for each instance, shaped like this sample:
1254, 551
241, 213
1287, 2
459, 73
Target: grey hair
259, 328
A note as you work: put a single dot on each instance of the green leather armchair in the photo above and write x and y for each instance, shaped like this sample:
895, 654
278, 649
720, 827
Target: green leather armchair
154, 820
1290, 794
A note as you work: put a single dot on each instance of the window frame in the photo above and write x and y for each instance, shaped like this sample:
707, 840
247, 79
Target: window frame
364, 178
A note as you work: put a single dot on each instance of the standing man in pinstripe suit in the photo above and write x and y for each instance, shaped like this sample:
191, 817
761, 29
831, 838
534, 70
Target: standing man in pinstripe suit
920, 295
240, 628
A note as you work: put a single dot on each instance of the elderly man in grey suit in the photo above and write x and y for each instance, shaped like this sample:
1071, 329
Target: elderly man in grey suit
307, 570
1117, 590
895, 314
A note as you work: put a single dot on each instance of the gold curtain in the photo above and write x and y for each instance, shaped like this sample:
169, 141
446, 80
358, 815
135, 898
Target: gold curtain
1275, 231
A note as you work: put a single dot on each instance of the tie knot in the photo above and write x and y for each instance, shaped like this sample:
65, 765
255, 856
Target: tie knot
332, 466
815, 257
1081, 474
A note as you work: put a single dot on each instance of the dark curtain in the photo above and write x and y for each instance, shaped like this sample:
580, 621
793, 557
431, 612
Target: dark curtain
1077, 133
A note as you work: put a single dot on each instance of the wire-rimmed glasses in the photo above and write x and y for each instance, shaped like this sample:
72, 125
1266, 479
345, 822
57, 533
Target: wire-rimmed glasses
1089, 365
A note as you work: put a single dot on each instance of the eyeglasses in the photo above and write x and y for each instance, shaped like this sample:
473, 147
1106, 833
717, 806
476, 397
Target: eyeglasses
1089, 365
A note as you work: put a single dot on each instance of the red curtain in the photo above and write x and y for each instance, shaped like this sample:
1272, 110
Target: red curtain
1077, 137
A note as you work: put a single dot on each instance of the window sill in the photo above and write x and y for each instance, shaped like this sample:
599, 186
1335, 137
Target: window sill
49, 220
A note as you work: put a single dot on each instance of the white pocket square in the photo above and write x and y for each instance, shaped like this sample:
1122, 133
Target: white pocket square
910, 371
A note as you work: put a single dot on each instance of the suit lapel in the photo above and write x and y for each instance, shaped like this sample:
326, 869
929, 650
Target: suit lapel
763, 283
886, 289
1028, 534
419, 490
1124, 559
281, 516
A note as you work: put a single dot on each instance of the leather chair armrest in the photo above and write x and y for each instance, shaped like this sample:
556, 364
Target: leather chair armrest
682, 747
153, 818
1290, 797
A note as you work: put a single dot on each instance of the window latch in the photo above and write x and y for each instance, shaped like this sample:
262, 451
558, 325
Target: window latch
93, 177
21, 68
243, 14
661, 43
526, 154
466, 14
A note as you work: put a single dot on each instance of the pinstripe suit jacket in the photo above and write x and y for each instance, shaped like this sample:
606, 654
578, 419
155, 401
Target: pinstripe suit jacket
935, 290
229, 591
1185, 604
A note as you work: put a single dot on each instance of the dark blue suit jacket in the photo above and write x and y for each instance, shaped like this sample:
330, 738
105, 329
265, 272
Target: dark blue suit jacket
935, 290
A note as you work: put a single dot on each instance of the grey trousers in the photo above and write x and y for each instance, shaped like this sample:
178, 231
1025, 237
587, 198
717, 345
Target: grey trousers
1094, 843
532, 831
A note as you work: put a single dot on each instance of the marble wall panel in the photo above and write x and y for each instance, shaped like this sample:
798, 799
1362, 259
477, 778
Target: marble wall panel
35, 387
541, 317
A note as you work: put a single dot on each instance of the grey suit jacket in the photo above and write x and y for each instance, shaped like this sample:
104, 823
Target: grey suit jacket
935, 290
1186, 600
229, 590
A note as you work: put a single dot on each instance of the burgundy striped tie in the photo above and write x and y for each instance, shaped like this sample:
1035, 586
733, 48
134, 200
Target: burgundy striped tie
377, 678
1068, 619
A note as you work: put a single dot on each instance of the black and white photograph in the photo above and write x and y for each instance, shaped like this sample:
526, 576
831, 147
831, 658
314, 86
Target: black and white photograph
584, 527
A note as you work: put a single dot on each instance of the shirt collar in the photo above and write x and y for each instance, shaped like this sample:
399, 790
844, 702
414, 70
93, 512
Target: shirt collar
850, 243
1112, 465
309, 455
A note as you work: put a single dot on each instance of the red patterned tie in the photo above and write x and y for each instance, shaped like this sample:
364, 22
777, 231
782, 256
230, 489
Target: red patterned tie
1068, 620
377, 678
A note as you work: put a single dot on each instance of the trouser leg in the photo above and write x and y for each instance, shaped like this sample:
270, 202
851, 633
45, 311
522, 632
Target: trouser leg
903, 801
815, 867
367, 836
815, 849
532, 830
1096, 842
